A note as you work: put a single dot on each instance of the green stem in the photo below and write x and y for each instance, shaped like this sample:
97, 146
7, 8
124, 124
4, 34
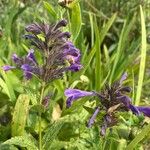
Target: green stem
40, 102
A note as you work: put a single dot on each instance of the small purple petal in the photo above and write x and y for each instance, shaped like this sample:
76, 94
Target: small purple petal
134, 109
16, 59
7, 68
74, 94
31, 55
27, 71
124, 77
26, 67
92, 119
144, 110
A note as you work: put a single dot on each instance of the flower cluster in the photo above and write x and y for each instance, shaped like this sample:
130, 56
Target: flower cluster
58, 53
112, 98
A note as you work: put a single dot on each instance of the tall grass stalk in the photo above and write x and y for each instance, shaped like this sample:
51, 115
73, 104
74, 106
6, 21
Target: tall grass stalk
143, 58
40, 119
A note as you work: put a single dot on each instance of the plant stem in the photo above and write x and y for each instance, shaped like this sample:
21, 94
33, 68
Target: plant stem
40, 102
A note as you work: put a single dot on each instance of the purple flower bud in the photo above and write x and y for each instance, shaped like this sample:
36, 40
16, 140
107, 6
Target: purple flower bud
27, 36
7, 68
16, 59
61, 23
64, 34
92, 119
31, 55
75, 67
27, 71
125, 89
74, 94
45, 101
34, 28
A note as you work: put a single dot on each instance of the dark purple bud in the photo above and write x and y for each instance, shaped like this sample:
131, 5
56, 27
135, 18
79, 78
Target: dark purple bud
125, 89
7, 68
45, 101
34, 28
92, 119
75, 67
61, 23
30, 37
144, 110
108, 119
64, 35
74, 94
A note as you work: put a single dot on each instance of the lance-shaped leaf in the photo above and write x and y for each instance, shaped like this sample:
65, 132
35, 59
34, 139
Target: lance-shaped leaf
20, 115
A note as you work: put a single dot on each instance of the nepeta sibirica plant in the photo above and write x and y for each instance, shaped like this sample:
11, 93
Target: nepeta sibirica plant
57, 53
112, 99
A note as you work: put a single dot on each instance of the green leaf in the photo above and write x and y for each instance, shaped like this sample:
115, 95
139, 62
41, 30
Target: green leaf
20, 115
106, 28
51, 134
76, 21
121, 45
98, 70
22, 141
143, 58
139, 138
50, 9
7, 85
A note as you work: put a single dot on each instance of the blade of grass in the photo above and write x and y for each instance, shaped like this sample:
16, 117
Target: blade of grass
97, 59
121, 45
143, 58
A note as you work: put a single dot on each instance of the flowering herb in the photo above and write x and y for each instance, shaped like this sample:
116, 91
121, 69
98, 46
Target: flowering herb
58, 53
112, 99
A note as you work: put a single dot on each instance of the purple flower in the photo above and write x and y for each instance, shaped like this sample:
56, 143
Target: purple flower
31, 56
125, 100
145, 110
74, 94
27, 71
57, 54
7, 68
92, 119
16, 59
